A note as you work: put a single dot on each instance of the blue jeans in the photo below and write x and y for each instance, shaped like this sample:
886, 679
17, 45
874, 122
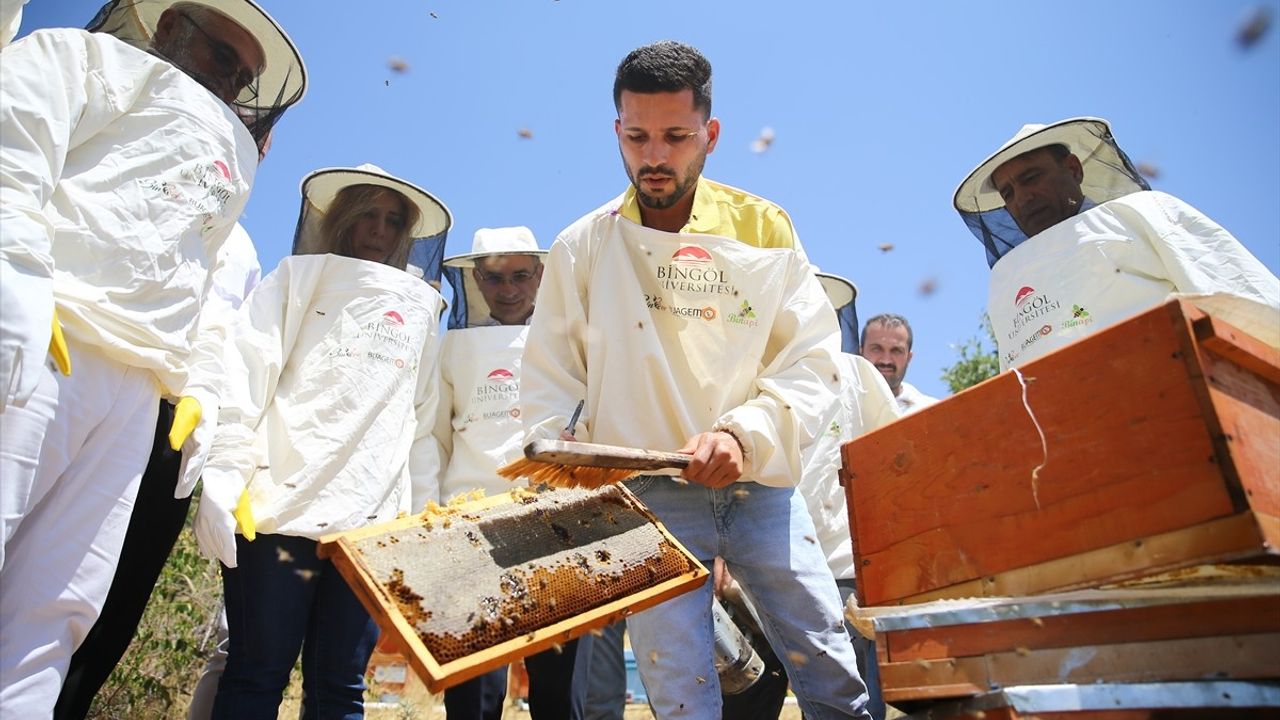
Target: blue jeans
766, 538
865, 649
281, 599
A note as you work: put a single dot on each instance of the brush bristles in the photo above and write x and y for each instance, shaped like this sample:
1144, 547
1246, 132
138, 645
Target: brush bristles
558, 475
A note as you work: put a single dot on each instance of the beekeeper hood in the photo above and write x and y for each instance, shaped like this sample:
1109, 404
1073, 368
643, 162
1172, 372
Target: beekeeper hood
282, 80
843, 295
1108, 174
489, 290
421, 251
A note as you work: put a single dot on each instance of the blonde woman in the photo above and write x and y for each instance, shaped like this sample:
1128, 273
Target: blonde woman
331, 397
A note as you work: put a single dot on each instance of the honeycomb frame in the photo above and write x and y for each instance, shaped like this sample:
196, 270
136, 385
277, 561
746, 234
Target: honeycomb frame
607, 557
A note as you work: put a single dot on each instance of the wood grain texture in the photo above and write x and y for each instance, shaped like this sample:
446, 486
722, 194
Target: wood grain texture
1135, 448
561, 452
1250, 657
1234, 616
1233, 538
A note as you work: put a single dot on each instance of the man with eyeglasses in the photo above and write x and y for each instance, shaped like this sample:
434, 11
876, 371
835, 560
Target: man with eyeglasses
128, 154
478, 429
509, 284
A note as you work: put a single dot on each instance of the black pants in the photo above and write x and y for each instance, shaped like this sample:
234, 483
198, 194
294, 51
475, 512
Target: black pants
153, 529
557, 686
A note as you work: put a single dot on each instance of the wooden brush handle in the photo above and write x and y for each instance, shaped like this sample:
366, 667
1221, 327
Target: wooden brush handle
560, 452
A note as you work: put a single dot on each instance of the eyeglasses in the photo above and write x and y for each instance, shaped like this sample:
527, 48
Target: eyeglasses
230, 67
519, 277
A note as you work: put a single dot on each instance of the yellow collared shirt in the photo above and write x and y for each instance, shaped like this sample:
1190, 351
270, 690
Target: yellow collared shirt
726, 211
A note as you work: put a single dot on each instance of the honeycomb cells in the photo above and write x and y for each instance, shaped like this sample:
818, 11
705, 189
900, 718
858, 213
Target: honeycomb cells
480, 577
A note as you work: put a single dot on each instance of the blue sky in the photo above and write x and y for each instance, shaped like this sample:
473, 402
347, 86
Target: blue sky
879, 110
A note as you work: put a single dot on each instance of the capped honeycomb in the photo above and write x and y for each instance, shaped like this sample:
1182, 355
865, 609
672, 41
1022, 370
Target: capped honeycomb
471, 576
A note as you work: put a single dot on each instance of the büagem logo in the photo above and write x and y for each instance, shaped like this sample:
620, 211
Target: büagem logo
222, 168
391, 317
1023, 294
501, 374
691, 253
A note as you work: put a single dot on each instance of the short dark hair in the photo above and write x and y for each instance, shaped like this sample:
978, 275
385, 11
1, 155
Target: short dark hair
888, 320
666, 66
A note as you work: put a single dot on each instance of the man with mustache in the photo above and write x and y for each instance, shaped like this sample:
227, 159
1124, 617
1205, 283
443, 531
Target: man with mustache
886, 341
1077, 241
687, 316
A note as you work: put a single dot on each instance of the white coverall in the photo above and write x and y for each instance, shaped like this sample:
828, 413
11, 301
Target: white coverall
707, 346
120, 178
479, 426
1117, 259
865, 404
667, 335
10, 20
331, 396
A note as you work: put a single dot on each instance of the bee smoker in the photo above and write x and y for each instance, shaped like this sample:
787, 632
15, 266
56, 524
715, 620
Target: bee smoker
736, 662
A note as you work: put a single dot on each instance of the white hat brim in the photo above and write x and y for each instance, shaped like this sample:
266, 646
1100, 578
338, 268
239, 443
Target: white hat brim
322, 186
1081, 135
840, 291
469, 259
283, 75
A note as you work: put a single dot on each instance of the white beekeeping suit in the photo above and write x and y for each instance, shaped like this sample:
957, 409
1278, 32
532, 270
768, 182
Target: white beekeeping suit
479, 424
864, 403
723, 307
237, 272
331, 390
1127, 249
10, 20
121, 175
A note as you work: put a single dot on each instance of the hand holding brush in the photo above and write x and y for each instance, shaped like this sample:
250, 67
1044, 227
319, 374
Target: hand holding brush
564, 463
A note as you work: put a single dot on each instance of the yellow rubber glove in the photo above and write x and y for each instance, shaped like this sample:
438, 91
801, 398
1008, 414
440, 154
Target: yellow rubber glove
185, 418
244, 516
58, 347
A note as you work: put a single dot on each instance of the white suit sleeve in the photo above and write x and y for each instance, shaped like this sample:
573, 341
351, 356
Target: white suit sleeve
48, 99
426, 457
876, 405
235, 272
443, 429
262, 336
1203, 259
554, 366
794, 390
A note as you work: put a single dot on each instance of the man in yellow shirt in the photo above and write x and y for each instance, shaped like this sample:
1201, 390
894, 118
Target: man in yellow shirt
686, 315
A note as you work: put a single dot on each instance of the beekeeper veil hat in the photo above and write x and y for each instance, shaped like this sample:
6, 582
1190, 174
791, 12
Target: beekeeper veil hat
282, 81
470, 307
423, 251
843, 295
1108, 174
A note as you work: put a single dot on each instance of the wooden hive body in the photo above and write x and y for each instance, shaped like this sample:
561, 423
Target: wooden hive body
1223, 626
1161, 450
472, 587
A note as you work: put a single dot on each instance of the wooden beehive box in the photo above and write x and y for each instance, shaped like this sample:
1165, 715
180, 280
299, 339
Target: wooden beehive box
1201, 700
472, 587
1161, 450
1222, 627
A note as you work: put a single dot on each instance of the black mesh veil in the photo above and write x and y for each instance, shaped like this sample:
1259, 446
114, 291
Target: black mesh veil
500, 258
424, 254
260, 104
1108, 174
844, 298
